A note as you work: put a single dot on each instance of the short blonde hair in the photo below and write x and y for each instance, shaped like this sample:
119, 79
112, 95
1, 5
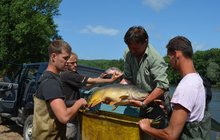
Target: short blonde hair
73, 55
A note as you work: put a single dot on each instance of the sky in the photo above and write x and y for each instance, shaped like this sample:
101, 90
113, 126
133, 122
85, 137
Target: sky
95, 29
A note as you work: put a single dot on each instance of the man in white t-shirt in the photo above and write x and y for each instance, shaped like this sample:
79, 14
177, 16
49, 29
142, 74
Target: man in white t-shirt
189, 119
190, 94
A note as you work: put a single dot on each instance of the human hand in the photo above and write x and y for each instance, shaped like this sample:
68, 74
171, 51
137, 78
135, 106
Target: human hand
82, 102
116, 75
124, 82
145, 124
161, 104
136, 103
102, 75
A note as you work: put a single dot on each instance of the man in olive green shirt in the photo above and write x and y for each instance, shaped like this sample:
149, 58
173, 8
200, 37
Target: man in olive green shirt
146, 69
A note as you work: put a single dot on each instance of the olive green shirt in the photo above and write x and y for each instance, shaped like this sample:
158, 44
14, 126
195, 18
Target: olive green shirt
149, 73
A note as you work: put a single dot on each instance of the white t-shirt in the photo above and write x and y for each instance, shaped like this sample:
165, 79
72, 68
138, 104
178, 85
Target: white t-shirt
190, 93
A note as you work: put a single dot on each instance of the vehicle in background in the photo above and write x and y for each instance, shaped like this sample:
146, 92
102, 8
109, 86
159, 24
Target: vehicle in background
17, 87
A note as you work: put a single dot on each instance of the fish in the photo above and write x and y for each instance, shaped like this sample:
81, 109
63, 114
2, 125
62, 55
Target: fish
116, 95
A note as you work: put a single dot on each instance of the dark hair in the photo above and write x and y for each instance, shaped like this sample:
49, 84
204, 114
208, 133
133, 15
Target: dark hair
57, 46
180, 43
136, 34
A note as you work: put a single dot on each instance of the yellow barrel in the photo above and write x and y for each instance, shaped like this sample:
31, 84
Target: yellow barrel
102, 125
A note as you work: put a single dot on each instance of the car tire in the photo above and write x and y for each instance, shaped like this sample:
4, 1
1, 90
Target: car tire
27, 130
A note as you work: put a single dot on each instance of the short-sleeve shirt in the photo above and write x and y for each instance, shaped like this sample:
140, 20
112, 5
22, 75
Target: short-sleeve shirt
190, 93
72, 82
50, 86
149, 73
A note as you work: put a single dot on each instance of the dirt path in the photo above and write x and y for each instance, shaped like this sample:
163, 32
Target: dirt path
10, 131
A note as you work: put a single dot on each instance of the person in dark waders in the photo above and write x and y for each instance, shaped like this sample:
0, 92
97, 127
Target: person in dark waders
189, 120
50, 111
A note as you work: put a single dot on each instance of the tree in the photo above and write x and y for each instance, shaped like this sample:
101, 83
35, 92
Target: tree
103, 64
173, 76
26, 29
200, 61
213, 72
207, 64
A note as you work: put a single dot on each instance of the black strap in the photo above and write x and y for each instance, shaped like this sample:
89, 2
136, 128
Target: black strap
208, 90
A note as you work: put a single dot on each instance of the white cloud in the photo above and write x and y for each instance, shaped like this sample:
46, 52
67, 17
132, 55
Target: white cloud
100, 30
198, 46
157, 5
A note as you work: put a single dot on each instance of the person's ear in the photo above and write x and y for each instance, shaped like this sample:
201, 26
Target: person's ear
146, 41
53, 56
177, 54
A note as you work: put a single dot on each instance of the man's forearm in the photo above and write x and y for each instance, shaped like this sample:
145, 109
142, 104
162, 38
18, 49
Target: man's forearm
155, 94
